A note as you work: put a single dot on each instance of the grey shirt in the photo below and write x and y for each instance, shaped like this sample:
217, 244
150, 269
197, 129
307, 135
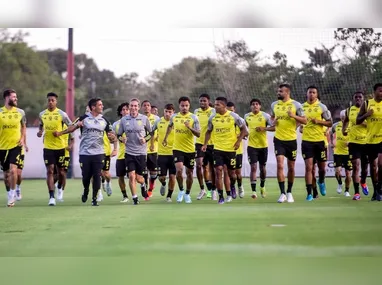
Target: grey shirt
92, 133
135, 129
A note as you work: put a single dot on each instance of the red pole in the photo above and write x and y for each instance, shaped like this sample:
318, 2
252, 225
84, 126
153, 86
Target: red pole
70, 77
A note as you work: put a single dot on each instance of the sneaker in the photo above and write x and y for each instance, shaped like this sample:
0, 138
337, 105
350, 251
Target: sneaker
135, 201
365, 189
52, 202
150, 193
162, 190
11, 198
379, 197
241, 192
214, 195
221, 201
322, 187
60, 195
125, 200
95, 203
357, 197
254, 195
309, 197
228, 199
282, 198
18, 195
201, 194
209, 194
347, 194
147, 198
233, 192
84, 196
290, 198
263, 192
168, 200
108, 189
99, 196
339, 188
179, 199
187, 198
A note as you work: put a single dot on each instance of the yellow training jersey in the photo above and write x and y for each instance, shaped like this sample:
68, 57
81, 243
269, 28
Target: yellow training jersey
203, 116
161, 126
326, 136
374, 122
66, 139
357, 133
152, 118
285, 125
257, 139
341, 147
183, 138
240, 150
121, 145
314, 132
106, 144
224, 129
52, 121
10, 127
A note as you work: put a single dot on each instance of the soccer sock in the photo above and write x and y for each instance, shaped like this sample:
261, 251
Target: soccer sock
188, 192
18, 187
51, 193
146, 177
239, 182
321, 177
7, 188
201, 186
220, 192
163, 183
339, 179
213, 187
169, 193
209, 185
253, 185
262, 183
290, 185
315, 191
346, 189
59, 185
228, 192
233, 182
282, 187
356, 188
363, 179
102, 180
124, 193
309, 189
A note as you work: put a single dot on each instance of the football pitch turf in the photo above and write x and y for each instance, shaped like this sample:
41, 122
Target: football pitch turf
331, 240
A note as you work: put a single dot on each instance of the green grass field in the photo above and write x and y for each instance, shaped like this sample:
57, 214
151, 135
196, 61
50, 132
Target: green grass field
327, 241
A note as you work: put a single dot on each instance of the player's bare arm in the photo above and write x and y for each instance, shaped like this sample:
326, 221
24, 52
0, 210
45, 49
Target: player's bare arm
363, 114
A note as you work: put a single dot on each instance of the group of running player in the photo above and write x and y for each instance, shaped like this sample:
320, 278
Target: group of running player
210, 139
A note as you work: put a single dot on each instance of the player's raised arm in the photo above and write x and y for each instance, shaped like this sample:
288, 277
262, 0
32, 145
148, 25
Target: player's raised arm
72, 127
195, 128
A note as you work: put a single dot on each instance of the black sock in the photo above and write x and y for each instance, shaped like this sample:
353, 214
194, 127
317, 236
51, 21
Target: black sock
262, 183
309, 189
363, 180
213, 187
321, 177
290, 185
282, 187
201, 186
209, 185
103, 179
253, 185
315, 191
339, 180
169, 193
59, 185
95, 192
188, 192
124, 193
146, 177
228, 192
8, 188
233, 182
51, 194
239, 182
220, 192
181, 189
135, 200
346, 189
356, 188
164, 183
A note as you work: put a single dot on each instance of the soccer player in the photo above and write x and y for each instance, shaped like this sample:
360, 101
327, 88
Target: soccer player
12, 138
92, 153
152, 149
287, 114
121, 171
258, 123
313, 140
341, 155
204, 160
52, 120
357, 144
222, 125
165, 158
239, 160
135, 126
154, 110
186, 127
371, 110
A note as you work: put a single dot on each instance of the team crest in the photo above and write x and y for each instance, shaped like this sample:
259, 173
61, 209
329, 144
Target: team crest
15, 116
139, 123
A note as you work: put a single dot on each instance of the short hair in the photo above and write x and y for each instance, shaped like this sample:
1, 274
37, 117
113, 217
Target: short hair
223, 99
184, 99
211, 104
120, 107
93, 102
135, 100
169, 107
376, 86
230, 104
154, 107
286, 86
314, 87
51, 94
359, 92
205, 95
8, 92
146, 101
255, 100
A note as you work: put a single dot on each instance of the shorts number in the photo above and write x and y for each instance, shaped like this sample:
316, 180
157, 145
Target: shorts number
233, 162
192, 162
349, 163
107, 164
66, 163
61, 159
294, 153
323, 154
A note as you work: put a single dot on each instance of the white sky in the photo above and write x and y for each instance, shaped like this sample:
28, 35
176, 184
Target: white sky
125, 50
